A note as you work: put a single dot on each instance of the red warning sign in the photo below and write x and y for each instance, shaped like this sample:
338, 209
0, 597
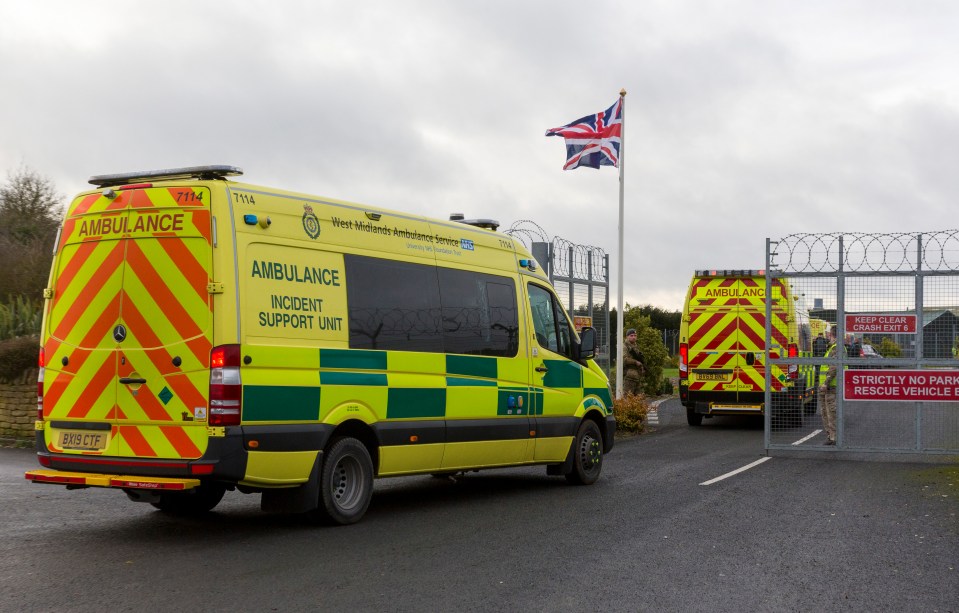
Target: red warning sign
899, 385
878, 323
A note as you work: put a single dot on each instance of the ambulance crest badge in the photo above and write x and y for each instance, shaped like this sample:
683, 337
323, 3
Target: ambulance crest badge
311, 225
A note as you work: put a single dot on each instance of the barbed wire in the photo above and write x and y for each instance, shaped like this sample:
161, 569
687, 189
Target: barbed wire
528, 232
571, 260
862, 252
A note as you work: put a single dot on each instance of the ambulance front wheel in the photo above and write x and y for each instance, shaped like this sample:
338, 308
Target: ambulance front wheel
587, 454
346, 482
195, 502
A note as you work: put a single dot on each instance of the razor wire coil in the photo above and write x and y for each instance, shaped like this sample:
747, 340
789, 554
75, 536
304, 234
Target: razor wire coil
866, 253
569, 259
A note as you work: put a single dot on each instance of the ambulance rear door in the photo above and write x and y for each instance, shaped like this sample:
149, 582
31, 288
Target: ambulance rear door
713, 339
750, 346
129, 329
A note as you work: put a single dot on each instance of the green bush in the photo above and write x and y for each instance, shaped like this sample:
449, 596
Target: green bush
889, 349
667, 387
630, 412
20, 316
17, 355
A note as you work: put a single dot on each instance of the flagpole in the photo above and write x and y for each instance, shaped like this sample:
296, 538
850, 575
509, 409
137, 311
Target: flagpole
621, 317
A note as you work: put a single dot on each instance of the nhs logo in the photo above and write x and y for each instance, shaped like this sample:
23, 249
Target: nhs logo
466, 245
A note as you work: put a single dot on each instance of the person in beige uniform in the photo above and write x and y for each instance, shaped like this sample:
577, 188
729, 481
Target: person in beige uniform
827, 393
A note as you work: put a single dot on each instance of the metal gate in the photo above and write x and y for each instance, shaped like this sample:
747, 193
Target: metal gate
580, 274
893, 303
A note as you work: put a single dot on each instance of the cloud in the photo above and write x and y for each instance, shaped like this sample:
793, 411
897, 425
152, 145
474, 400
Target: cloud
746, 120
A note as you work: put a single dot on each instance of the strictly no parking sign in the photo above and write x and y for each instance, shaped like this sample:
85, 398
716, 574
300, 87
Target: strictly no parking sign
899, 385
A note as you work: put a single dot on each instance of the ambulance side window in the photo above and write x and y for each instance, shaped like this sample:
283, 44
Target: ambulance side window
479, 313
402, 306
392, 305
549, 321
805, 338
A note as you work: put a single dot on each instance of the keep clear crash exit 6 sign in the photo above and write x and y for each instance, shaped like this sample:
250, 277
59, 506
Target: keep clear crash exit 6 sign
881, 323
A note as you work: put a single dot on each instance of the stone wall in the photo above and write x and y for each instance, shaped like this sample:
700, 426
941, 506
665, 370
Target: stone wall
18, 407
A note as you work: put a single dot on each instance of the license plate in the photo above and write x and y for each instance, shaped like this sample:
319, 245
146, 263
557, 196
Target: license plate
711, 377
82, 440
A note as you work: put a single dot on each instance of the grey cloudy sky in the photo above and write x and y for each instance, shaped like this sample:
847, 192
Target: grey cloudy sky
745, 119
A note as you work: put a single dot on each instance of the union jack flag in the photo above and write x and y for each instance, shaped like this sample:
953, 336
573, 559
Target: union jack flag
593, 140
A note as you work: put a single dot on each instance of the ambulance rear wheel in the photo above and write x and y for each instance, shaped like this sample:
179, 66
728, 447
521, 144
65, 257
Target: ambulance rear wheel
693, 418
587, 454
196, 502
346, 482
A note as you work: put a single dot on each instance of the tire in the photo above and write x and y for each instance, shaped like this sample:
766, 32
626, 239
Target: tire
196, 502
693, 418
346, 482
587, 454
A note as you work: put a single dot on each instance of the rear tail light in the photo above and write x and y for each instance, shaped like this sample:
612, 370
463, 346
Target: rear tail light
793, 352
41, 363
226, 389
683, 360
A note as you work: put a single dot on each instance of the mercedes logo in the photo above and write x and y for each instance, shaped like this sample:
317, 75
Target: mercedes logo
119, 333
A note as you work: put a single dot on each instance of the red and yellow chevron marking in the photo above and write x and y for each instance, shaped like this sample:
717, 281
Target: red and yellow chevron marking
180, 197
727, 319
141, 259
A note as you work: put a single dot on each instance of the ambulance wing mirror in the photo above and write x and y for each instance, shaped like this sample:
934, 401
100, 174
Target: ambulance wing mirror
586, 349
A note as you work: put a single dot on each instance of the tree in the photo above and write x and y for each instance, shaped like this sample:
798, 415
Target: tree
661, 319
30, 213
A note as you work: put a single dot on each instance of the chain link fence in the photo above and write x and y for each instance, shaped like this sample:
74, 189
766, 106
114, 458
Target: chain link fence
580, 274
892, 301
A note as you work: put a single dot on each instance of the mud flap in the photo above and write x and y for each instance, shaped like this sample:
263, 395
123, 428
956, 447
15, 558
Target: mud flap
564, 468
300, 499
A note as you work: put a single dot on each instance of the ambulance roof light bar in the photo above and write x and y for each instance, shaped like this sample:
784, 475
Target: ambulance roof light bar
730, 272
216, 171
488, 224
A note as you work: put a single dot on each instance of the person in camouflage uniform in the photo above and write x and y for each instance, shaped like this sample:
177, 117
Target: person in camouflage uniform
633, 367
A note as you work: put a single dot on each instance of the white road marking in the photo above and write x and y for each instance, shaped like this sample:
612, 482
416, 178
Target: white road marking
652, 415
737, 471
806, 438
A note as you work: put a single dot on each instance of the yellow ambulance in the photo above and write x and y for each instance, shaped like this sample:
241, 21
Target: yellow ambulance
203, 335
722, 368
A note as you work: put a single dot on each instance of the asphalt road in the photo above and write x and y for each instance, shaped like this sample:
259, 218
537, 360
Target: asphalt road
786, 535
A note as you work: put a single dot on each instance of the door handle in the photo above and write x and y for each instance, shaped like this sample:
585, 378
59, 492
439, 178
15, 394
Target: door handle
130, 380
541, 369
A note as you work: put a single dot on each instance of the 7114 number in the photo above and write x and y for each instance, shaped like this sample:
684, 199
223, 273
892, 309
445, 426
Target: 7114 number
189, 196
